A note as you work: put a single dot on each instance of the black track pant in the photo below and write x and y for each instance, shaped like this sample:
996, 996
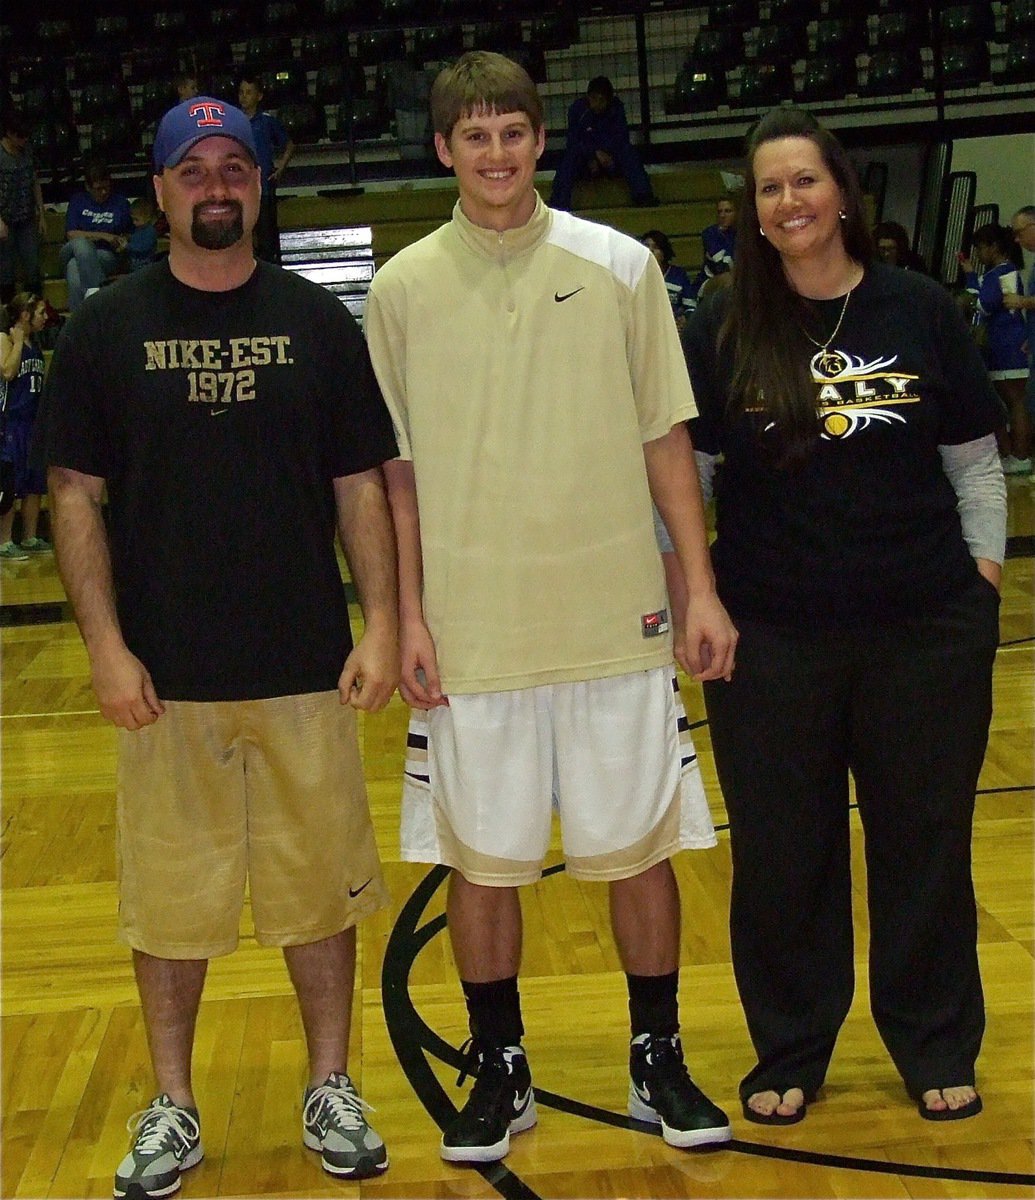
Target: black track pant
906, 709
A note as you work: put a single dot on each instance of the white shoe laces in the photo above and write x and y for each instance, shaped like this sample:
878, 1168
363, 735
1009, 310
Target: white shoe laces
343, 1105
159, 1125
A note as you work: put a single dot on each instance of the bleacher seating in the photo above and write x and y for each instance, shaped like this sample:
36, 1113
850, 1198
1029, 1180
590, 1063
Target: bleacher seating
764, 84
336, 81
169, 24
893, 71
697, 88
1019, 64
727, 14
114, 137
285, 83
375, 46
434, 43
840, 36
305, 120
267, 52
88, 65
281, 16
967, 22
788, 40
502, 36
902, 27
721, 47
796, 12
966, 64
1020, 17
323, 48
827, 77
101, 100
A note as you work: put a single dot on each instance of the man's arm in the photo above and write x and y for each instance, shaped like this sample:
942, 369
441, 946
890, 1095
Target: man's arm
120, 680
280, 164
41, 212
421, 685
115, 240
371, 671
706, 642
11, 346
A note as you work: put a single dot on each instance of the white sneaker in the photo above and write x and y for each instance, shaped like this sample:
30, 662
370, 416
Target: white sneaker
1016, 466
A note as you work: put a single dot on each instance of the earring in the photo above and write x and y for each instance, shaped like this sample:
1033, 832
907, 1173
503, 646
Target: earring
761, 230
843, 215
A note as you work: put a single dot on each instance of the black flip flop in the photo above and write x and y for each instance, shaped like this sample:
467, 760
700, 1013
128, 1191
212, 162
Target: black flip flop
970, 1109
774, 1118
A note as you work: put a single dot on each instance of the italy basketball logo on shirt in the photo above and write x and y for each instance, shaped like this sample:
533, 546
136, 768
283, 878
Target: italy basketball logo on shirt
854, 394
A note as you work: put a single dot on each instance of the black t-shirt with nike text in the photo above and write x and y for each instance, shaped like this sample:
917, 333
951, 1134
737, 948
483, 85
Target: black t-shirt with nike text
219, 421
866, 530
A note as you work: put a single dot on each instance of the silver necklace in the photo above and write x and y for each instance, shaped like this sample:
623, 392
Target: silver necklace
837, 327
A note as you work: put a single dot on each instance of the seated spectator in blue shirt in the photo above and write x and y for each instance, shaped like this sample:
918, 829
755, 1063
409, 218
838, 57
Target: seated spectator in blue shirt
677, 281
142, 246
97, 225
718, 241
598, 144
274, 149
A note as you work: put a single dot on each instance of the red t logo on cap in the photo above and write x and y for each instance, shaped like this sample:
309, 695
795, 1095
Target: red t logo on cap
212, 114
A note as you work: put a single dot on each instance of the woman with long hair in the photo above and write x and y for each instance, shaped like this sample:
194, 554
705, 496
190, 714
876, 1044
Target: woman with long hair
860, 517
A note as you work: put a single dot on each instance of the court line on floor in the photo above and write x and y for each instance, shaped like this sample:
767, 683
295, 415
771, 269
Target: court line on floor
414, 1042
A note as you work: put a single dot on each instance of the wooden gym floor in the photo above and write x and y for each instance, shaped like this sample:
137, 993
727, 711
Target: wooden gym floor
74, 1060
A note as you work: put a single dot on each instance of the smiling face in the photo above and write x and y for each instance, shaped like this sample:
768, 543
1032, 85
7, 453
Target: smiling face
494, 157
798, 199
211, 197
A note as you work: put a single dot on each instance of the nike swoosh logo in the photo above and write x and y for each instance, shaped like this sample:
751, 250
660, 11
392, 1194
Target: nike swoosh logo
568, 295
215, 412
354, 892
521, 1103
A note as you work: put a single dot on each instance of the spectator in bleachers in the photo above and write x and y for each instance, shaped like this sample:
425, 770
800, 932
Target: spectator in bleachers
142, 245
97, 227
894, 249
1023, 229
186, 85
598, 144
21, 382
409, 90
677, 281
718, 241
22, 218
275, 149
999, 256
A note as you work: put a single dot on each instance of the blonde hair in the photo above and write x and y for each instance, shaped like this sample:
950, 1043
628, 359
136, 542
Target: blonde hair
482, 81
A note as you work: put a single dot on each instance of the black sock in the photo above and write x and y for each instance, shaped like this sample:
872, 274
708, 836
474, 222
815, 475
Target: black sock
654, 1004
494, 1011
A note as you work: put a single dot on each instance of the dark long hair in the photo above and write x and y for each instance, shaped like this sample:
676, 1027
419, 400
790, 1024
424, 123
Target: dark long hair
764, 323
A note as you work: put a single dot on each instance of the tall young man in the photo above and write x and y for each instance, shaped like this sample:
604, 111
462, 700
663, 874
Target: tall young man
231, 410
539, 394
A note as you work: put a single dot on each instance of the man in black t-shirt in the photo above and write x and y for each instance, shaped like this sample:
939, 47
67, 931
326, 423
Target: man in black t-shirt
206, 394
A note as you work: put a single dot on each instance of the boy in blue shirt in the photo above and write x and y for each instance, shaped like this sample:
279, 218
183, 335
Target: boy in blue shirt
275, 149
